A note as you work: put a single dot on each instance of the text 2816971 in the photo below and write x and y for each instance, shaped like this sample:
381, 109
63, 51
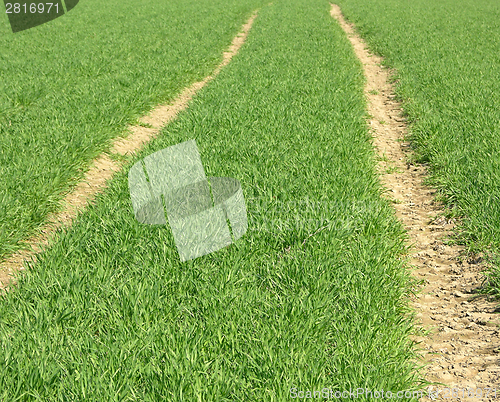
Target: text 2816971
31, 8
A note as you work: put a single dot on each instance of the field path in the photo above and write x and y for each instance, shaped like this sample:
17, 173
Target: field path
104, 167
463, 347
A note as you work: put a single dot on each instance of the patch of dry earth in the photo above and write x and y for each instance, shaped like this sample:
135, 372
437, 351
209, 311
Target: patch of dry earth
104, 167
463, 347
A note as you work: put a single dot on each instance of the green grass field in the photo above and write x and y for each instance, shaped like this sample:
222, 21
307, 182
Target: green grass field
70, 86
312, 297
447, 57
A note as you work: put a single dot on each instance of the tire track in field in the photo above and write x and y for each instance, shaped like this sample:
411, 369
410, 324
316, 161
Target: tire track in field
463, 347
105, 166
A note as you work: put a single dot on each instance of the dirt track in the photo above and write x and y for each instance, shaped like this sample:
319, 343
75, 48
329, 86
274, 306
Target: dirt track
463, 348
104, 167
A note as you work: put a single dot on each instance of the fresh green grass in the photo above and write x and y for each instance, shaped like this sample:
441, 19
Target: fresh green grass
71, 85
448, 61
313, 296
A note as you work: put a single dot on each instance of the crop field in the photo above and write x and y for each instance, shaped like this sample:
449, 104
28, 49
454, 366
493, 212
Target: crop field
314, 295
69, 86
447, 57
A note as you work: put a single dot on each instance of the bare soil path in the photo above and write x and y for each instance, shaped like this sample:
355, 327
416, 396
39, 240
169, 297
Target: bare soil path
463, 347
105, 166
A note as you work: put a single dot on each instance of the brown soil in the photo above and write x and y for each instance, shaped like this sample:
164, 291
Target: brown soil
104, 167
463, 346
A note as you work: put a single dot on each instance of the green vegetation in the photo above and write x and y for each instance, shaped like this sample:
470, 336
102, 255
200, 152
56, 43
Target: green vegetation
69, 86
312, 296
448, 61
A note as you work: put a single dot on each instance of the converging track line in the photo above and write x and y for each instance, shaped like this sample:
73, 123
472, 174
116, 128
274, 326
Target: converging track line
104, 167
463, 345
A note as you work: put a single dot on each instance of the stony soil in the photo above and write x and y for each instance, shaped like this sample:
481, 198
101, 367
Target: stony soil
463, 347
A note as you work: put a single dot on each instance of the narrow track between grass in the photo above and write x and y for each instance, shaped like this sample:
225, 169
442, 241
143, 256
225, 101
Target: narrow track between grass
463, 346
108, 163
